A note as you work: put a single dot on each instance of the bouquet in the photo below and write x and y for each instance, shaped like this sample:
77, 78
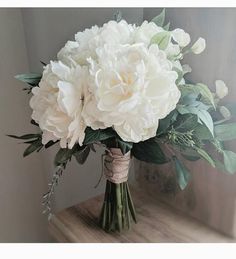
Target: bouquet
123, 87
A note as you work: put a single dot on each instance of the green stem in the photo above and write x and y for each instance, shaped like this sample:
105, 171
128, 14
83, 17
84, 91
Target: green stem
119, 206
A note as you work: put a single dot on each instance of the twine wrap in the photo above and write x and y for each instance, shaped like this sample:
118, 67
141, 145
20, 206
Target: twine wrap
116, 165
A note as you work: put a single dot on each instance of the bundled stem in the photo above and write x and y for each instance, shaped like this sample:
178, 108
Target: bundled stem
118, 208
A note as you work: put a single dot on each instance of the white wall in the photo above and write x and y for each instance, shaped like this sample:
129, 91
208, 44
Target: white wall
22, 181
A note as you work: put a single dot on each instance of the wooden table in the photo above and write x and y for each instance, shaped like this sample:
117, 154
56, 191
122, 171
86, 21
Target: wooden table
157, 222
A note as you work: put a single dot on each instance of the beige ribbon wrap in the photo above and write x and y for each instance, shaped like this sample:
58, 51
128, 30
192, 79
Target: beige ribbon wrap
116, 165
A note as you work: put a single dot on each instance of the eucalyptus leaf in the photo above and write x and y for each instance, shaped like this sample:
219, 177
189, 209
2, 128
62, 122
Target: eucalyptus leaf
32, 79
63, 155
51, 143
206, 93
149, 151
182, 173
92, 136
167, 26
26, 136
205, 155
35, 146
225, 132
186, 122
162, 39
159, 19
203, 115
124, 146
82, 154
190, 154
206, 118
166, 122
202, 132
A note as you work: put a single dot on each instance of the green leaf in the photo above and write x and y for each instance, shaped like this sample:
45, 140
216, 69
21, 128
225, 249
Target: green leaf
206, 93
82, 154
26, 136
166, 122
51, 143
186, 122
167, 26
182, 173
225, 132
204, 155
35, 146
190, 158
206, 118
32, 79
63, 155
149, 151
203, 115
202, 132
199, 89
159, 19
230, 161
92, 136
124, 146
190, 154
162, 39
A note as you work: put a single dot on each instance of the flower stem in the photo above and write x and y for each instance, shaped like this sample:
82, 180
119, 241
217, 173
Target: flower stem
117, 208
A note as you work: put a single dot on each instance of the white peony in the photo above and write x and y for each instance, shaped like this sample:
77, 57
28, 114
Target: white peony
199, 46
131, 88
57, 104
221, 89
181, 37
110, 33
69, 54
145, 32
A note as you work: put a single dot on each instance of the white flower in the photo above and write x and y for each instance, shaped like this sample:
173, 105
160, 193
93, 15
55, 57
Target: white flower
69, 53
221, 89
181, 37
57, 104
110, 33
131, 88
199, 46
145, 32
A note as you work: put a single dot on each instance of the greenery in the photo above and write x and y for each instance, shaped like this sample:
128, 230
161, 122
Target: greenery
195, 129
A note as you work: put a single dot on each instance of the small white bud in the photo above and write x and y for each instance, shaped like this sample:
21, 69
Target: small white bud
199, 46
181, 37
221, 89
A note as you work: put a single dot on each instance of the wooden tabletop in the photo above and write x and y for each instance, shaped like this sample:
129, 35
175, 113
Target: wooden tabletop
157, 222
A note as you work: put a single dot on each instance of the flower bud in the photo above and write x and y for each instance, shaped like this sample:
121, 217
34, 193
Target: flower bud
198, 46
221, 89
181, 37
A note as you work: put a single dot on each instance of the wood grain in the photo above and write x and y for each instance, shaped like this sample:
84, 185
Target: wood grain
157, 222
